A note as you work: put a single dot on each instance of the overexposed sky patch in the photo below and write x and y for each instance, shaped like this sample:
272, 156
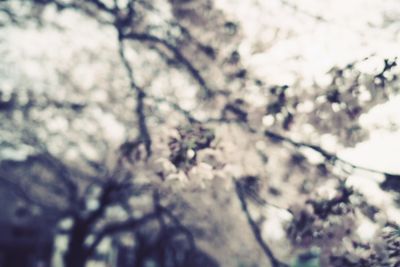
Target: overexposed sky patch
287, 40
284, 39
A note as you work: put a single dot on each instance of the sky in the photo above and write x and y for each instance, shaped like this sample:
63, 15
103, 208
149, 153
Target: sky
306, 38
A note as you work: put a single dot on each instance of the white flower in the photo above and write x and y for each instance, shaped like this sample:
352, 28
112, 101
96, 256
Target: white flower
164, 167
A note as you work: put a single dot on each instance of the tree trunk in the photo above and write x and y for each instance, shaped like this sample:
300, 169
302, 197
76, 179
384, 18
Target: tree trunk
76, 255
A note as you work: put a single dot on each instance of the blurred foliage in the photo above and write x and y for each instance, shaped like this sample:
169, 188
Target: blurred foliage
308, 259
140, 121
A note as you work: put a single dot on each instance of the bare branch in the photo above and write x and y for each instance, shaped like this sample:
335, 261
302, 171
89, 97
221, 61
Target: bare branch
176, 107
145, 37
330, 157
179, 226
256, 231
110, 229
18, 190
140, 95
63, 172
304, 12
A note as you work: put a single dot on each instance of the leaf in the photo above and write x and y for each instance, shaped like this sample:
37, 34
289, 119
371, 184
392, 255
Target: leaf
308, 259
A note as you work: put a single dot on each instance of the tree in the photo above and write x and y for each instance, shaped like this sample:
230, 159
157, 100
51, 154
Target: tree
158, 131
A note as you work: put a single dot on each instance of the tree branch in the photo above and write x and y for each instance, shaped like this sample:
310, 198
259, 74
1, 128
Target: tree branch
18, 190
175, 107
140, 95
256, 231
145, 37
110, 229
330, 157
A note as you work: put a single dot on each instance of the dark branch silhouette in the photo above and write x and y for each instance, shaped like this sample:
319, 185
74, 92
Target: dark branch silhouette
140, 96
330, 157
255, 229
145, 37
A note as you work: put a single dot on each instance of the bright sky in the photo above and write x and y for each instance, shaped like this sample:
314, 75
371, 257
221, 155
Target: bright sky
295, 44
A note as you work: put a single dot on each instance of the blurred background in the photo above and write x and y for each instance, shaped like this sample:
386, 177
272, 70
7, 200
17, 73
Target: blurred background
167, 133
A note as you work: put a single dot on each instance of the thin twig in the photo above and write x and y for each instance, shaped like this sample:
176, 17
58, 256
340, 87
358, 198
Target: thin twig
140, 96
330, 157
176, 107
145, 37
304, 12
113, 228
256, 231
